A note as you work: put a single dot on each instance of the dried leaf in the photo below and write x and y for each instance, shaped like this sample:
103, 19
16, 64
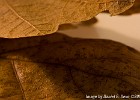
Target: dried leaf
57, 67
38, 17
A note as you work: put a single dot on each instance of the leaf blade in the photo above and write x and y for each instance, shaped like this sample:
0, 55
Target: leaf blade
65, 75
44, 17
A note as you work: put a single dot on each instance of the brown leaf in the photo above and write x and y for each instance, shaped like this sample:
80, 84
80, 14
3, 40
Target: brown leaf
57, 67
22, 18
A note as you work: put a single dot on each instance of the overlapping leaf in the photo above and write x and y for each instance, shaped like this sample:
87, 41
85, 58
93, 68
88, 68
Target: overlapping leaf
57, 67
22, 18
